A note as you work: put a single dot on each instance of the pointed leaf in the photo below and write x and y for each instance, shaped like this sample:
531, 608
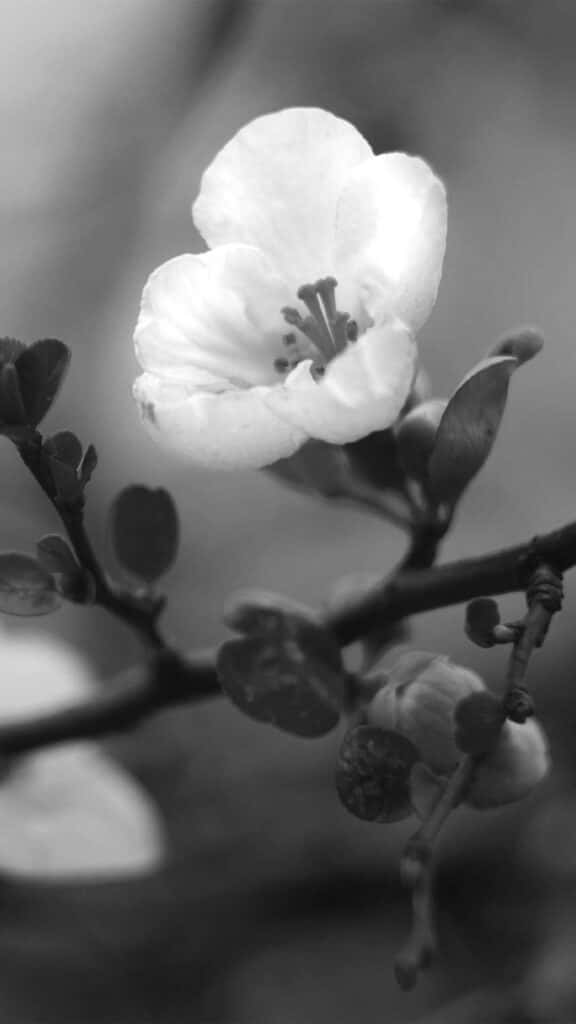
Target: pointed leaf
41, 370
468, 428
373, 773
26, 588
286, 671
145, 531
523, 344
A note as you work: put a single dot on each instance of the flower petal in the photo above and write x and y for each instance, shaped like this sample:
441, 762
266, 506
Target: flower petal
276, 185
362, 390
213, 317
235, 429
391, 236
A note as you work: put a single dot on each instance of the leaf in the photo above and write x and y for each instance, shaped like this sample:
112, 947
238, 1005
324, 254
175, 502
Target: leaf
482, 617
468, 428
55, 554
523, 344
41, 369
72, 581
10, 349
373, 773
12, 411
375, 459
316, 467
65, 447
88, 465
416, 435
287, 671
26, 588
145, 531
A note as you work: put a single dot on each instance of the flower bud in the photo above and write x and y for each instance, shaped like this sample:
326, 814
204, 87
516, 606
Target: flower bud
518, 762
416, 433
419, 701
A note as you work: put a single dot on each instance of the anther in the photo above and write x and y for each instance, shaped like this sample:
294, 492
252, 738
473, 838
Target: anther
352, 331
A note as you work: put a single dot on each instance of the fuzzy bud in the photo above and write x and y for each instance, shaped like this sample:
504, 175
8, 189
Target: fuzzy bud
518, 762
416, 434
419, 701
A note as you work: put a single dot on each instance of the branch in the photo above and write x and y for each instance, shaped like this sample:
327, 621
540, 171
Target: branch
169, 681
408, 593
415, 591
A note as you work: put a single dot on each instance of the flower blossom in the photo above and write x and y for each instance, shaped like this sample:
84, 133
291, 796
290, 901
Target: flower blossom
299, 322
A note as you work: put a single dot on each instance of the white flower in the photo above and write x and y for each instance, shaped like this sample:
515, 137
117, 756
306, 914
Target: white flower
299, 323
68, 811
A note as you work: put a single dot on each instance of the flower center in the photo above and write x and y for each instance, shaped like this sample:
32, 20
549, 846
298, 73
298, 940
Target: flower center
327, 329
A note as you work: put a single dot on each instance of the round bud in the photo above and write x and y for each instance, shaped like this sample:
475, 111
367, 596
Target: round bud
419, 701
518, 762
416, 433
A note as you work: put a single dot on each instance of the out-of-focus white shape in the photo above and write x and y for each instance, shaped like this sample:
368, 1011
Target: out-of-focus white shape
69, 812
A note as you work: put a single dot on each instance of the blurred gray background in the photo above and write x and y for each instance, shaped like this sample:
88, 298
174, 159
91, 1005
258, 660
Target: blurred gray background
276, 907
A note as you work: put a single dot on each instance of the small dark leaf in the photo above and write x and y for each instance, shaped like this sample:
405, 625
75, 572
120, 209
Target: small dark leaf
263, 612
88, 465
10, 349
468, 428
482, 617
375, 459
72, 581
145, 531
523, 344
55, 554
478, 720
373, 773
41, 370
416, 434
65, 447
12, 411
287, 671
65, 477
26, 588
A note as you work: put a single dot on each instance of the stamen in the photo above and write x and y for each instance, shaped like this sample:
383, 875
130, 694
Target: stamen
307, 293
329, 330
311, 329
